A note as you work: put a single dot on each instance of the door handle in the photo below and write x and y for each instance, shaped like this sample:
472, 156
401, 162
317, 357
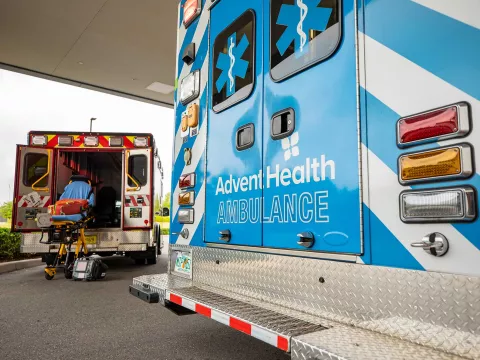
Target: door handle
282, 124
435, 244
307, 239
225, 235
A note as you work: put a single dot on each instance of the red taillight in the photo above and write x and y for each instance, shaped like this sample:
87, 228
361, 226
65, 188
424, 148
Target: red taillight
191, 9
434, 125
186, 181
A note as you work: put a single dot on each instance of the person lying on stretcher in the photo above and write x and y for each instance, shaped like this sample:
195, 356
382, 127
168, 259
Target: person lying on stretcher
75, 202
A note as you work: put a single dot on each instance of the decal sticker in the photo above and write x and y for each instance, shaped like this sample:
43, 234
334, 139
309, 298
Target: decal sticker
232, 64
290, 146
33, 199
183, 263
311, 18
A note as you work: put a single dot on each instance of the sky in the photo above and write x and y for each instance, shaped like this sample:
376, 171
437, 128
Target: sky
30, 103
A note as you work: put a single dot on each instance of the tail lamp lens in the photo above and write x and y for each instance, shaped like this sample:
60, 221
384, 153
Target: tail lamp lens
116, 141
39, 140
444, 123
91, 141
186, 181
453, 162
65, 140
438, 205
140, 142
190, 87
186, 198
191, 9
186, 216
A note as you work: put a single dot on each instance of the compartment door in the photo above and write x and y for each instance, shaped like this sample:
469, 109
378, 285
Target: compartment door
234, 150
33, 186
311, 178
138, 189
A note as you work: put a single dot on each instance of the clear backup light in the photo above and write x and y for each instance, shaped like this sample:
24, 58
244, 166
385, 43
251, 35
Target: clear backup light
39, 140
439, 124
185, 216
191, 9
140, 142
441, 205
190, 87
115, 141
65, 140
90, 140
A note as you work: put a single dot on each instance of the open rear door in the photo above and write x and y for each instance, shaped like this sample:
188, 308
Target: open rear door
33, 186
138, 189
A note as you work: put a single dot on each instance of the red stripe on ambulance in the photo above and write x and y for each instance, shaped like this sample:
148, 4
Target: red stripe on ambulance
268, 336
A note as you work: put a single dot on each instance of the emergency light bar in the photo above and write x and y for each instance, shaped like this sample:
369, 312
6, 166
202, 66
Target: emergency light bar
140, 142
191, 9
65, 140
440, 205
186, 198
186, 181
190, 87
185, 216
39, 140
439, 124
453, 162
115, 141
90, 141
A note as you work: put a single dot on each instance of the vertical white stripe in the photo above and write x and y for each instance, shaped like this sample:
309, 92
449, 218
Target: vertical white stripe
466, 11
220, 317
462, 258
264, 335
407, 88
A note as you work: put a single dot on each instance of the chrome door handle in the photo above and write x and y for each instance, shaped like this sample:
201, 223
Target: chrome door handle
307, 239
435, 244
184, 233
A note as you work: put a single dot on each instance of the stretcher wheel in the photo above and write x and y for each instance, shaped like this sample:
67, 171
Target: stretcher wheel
49, 277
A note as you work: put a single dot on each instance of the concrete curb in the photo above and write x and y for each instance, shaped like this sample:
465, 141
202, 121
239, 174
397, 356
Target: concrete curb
19, 265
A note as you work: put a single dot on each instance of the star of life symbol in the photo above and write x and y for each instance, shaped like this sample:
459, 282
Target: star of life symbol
290, 146
232, 64
299, 20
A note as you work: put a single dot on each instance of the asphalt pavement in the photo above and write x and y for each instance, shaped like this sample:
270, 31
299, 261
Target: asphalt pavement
63, 319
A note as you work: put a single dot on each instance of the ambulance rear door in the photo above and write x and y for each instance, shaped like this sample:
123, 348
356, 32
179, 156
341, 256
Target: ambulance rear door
33, 186
311, 157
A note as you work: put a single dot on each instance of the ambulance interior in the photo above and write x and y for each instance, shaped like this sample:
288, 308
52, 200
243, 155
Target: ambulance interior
104, 170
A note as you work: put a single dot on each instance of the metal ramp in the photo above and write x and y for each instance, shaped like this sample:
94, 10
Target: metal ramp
304, 336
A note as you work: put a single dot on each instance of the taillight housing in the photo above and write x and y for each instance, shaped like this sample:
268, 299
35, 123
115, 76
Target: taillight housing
65, 140
115, 141
90, 141
38, 140
191, 9
186, 198
438, 124
140, 141
186, 216
186, 181
438, 205
453, 162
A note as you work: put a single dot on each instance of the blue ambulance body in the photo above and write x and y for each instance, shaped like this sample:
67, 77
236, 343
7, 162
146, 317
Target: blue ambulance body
331, 134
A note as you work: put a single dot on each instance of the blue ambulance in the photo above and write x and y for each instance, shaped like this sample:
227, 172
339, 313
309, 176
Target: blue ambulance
325, 175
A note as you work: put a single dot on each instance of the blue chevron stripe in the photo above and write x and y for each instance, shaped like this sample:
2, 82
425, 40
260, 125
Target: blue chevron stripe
386, 250
382, 142
445, 47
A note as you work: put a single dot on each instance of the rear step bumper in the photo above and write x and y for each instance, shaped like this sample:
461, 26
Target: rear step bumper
305, 336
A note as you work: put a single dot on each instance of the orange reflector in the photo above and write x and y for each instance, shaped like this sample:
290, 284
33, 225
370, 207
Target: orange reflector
447, 162
186, 198
193, 115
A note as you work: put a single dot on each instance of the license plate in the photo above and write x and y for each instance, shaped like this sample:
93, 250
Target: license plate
91, 239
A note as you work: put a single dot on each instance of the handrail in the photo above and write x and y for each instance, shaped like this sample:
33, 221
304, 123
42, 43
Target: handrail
43, 176
138, 187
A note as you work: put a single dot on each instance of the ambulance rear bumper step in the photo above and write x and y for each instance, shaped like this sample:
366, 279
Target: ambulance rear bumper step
305, 336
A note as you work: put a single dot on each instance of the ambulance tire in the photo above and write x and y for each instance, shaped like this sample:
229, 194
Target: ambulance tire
152, 260
140, 261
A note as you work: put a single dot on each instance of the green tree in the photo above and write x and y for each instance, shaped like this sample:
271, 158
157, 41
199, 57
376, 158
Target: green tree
157, 204
166, 201
6, 210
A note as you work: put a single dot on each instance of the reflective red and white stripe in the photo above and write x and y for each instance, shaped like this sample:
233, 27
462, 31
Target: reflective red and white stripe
134, 200
270, 337
24, 201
